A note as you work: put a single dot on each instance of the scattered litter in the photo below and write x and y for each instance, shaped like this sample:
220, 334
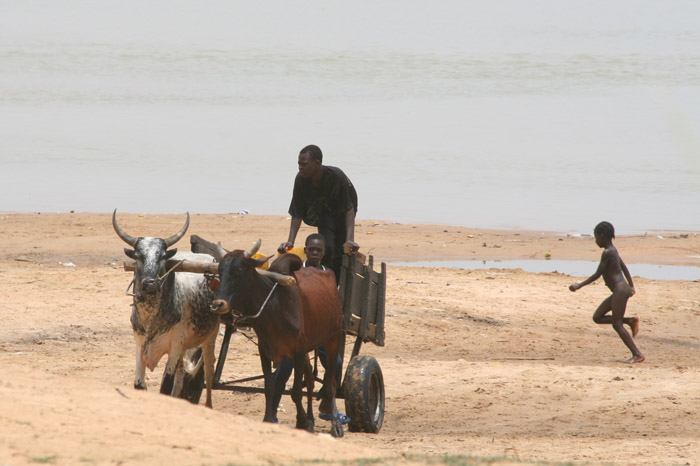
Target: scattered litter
67, 264
659, 237
244, 212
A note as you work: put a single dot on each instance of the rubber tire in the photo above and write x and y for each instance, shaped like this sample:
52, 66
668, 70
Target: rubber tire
364, 394
194, 381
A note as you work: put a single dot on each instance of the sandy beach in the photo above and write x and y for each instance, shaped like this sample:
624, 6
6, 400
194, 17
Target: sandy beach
495, 365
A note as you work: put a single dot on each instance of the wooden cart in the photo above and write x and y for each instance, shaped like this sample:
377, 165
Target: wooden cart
362, 291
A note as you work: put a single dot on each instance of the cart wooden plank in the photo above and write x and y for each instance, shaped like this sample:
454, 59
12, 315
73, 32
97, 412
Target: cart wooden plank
363, 292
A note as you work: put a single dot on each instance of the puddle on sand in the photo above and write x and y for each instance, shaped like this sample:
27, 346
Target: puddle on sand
573, 268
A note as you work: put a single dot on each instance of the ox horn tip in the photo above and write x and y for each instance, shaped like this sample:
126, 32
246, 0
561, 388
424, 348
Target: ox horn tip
251, 252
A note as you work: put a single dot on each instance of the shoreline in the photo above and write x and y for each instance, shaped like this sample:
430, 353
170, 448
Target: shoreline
560, 231
65, 237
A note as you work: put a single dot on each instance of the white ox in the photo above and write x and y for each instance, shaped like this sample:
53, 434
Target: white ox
171, 311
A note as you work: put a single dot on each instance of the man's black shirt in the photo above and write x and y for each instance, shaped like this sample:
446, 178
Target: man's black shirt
326, 204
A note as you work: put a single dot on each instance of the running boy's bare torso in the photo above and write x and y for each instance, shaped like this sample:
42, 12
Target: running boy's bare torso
611, 269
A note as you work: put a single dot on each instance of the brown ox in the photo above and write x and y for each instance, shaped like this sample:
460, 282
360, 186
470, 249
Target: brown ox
290, 321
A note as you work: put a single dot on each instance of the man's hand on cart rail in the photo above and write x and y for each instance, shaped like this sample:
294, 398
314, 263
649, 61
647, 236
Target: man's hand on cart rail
284, 247
350, 247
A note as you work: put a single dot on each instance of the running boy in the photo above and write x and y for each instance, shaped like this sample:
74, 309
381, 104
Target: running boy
612, 268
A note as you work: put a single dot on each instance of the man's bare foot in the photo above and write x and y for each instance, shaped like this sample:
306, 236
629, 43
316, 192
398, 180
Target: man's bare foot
635, 328
635, 360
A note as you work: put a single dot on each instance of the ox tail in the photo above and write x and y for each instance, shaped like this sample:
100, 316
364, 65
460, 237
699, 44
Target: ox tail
193, 360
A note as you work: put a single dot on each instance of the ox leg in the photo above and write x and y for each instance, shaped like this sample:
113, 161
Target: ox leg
168, 381
331, 382
179, 383
309, 378
209, 359
140, 373
301, 368
270, 414
179, 379
174, 374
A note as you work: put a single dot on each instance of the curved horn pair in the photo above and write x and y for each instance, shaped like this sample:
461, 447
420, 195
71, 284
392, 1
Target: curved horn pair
131, 240
282, 279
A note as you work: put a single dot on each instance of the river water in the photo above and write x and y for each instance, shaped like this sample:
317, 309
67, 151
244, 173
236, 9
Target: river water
500, 114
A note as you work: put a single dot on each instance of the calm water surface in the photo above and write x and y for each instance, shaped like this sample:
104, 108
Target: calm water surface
574, 268
507, 114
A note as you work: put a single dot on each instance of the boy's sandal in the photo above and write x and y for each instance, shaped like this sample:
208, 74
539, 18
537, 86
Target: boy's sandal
327, 417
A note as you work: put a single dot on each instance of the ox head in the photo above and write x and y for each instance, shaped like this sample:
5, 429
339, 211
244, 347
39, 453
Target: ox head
238, 274
150, 255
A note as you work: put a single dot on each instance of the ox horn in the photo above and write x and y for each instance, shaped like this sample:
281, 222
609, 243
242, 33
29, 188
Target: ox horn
127, 238
251, 252
282, 279
221, 251
178, 236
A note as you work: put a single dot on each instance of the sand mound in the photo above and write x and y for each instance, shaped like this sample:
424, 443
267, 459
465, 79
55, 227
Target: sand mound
66, 420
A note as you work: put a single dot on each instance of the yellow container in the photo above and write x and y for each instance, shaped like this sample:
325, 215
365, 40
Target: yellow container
299, 251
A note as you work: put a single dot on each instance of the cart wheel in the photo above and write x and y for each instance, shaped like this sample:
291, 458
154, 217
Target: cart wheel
194, 376
364, 394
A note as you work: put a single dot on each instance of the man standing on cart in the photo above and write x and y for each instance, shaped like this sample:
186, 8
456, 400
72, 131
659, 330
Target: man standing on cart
323, 197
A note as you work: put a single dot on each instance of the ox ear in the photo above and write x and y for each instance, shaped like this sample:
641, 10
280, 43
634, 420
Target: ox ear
214, 284
170, 253
130, 253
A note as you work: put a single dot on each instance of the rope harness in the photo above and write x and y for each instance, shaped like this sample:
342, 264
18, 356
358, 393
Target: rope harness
132, 294
160, 279
241, 318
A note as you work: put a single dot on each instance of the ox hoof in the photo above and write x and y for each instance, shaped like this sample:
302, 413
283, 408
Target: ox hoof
337, 430
307, 426
140, 386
